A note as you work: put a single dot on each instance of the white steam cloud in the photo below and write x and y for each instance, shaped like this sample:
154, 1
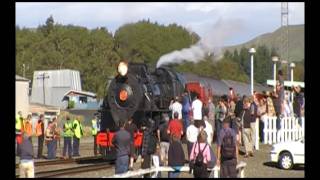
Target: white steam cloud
213, 41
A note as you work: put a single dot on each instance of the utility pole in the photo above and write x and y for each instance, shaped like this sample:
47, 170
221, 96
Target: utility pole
24, 69
285, 35
43, 77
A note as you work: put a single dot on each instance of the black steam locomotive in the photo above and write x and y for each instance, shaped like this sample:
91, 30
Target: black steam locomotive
140, 94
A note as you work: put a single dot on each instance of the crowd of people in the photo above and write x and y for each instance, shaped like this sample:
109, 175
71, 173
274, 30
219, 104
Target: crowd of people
229, 123
71, 131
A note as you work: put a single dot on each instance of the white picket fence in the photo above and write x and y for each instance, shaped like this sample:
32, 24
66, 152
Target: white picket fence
290, 130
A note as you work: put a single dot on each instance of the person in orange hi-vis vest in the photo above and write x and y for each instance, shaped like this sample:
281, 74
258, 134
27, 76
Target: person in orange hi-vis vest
27, 124
40, 135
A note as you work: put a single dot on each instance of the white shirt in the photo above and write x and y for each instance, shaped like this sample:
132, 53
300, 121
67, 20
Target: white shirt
209, 132
197, 109
192, 133
287, 111
176, 107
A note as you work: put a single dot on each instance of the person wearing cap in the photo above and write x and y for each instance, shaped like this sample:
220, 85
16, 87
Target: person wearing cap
26, 158
175, 106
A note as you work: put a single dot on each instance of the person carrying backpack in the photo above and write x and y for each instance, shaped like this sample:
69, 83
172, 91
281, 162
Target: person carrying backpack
227, 151
200, 156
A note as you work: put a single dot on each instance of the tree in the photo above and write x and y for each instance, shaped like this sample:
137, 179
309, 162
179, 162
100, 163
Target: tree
147, 42
46, 29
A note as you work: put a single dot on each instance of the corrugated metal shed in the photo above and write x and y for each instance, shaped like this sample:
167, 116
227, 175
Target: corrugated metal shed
56, 83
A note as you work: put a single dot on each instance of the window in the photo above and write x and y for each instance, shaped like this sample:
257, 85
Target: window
83, 99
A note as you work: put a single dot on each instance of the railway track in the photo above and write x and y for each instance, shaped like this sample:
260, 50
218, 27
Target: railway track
73, 170
67, 161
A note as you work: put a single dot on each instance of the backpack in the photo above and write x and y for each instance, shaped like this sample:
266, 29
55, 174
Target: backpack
228, 148
200, 168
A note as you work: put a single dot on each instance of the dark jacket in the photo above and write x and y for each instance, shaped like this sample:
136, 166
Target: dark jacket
297, 104
122, 142
246, 118
164, 137
238, 108
26, 149
277, 105
176, 154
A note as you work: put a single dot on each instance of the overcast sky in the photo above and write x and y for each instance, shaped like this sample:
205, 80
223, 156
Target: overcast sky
255, 18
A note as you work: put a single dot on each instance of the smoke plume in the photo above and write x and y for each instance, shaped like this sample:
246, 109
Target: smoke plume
212, 42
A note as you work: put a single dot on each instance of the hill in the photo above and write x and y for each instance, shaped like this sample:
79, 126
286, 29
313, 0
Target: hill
273, 40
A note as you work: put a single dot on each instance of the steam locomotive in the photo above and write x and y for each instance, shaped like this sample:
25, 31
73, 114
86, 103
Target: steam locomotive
138, 93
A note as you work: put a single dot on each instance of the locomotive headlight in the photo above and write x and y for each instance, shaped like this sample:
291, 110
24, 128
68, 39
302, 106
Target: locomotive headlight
123, 95
123, 68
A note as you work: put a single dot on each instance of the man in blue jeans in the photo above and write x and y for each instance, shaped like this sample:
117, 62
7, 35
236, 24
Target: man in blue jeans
122, 142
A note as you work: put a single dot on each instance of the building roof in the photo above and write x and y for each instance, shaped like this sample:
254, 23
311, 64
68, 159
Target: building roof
19, 78
85, 93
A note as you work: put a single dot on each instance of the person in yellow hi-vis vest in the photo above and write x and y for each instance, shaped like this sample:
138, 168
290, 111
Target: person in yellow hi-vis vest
67, 136
78, 133
94, 131
19, 129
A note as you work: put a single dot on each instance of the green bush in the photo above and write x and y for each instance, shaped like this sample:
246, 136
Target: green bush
71, 104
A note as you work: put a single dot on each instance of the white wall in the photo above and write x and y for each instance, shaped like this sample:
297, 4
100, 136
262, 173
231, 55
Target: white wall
22, 98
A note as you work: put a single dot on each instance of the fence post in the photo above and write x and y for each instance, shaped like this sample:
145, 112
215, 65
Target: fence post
270, 129
216, 172
290, 128
257, 134
265, 133
274, 129
295, 134
242, 173
302, 121
300, 131
285, 119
